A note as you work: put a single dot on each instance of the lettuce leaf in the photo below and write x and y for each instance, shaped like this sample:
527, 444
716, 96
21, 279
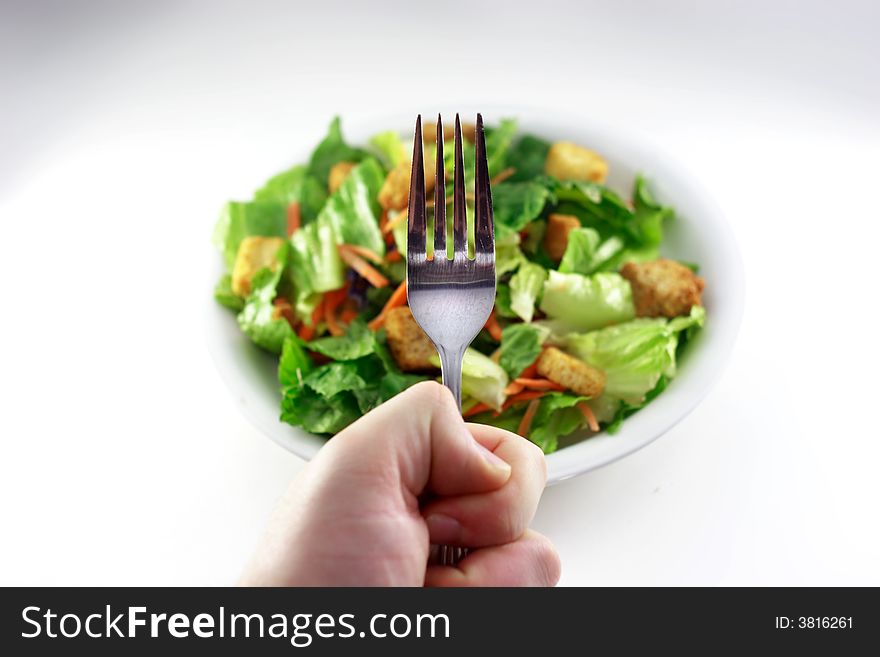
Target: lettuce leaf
634, 355
498, 141
520, 346
328, 398
525, 289
331, 151
527, 156
556, 417
240, 219
224, 295
481, 378
315, 263
516, 204
257, 319
353, 210
586, 253
389, 148
587, 302
295, 185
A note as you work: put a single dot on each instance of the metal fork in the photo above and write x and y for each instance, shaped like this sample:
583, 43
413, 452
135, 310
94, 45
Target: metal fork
451, 298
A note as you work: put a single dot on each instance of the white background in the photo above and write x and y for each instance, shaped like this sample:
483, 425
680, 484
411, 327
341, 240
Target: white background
123, 129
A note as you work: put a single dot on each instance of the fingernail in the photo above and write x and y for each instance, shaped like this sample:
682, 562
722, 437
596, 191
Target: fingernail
443, 529
493, 459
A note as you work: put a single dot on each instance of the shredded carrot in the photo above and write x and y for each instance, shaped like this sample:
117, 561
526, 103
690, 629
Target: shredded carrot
294, 218
530, 372
383, 219
390, 224
397, 298
393, 256
503, 175
364, 252
525, 395
348, 315
361, 266
514, 388
584, 408
283, 309
332, 300
538, 384
476, 409
526, 422
493, 326
307, 331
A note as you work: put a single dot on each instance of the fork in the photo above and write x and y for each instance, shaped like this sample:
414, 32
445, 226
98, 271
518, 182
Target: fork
450, 298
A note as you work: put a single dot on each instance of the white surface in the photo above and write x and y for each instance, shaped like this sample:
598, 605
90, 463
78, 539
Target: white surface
699, 233
124, 129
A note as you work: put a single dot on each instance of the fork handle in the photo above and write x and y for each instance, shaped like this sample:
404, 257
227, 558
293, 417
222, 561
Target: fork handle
450, 368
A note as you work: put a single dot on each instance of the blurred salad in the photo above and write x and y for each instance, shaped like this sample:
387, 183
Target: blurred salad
589, 320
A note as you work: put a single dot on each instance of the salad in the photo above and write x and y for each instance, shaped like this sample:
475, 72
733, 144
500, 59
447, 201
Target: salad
588, 322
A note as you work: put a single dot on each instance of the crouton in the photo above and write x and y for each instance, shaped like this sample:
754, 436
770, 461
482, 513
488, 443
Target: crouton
394, 194
254, 253
410, 346
568, 161
556, 235
571, 372
429, 132
663, 288
338, 173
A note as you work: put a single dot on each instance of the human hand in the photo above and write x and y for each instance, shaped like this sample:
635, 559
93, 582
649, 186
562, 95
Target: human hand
407, 474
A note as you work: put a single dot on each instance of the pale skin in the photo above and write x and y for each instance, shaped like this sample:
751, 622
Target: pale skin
408, 474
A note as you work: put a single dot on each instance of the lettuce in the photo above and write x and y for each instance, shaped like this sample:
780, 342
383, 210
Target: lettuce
586, 253
634, 355
332, 150
353, 210
224, 295
515, 205
257, 319
525, 289
481, 378
328, 398
527, 157
601, 208
587, 302
295, 185
556, 417
315, 262
239, 220
389, 148
520, 346
498, 141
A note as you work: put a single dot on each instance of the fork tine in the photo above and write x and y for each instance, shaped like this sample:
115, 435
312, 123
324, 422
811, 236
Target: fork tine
439, 197
415, 238
459, 208
485, 233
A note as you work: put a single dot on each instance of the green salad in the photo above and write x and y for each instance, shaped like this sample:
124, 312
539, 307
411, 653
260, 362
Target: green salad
589, 319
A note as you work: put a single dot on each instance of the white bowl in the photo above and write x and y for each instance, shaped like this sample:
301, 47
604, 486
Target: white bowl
698, 234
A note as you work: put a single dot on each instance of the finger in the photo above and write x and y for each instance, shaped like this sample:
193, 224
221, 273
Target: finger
419, 439
499, 516
531, 560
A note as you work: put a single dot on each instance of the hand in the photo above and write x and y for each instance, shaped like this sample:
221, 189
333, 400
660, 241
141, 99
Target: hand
407, 474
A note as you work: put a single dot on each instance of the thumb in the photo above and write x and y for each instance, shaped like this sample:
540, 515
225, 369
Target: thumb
420, 437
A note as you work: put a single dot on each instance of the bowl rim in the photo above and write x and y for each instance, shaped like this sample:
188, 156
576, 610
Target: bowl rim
686, 390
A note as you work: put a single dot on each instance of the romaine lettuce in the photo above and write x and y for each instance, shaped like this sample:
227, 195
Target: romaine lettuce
332, 150
587, 302
520, 346
295, 185
525, 289
481, 378
257, 319
634, 355
239, 220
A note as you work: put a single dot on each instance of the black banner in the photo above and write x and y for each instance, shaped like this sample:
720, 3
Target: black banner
331, 621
